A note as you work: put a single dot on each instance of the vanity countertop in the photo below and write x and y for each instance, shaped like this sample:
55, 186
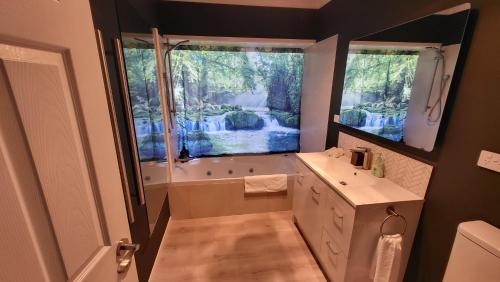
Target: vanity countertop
361, 188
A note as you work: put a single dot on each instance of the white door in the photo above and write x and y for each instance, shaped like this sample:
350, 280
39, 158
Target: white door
62, 206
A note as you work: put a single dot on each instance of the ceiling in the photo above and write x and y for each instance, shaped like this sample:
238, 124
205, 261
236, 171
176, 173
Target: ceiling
304, 4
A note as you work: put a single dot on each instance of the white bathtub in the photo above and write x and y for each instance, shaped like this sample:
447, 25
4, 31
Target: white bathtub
231, 168
218, 168
214, 186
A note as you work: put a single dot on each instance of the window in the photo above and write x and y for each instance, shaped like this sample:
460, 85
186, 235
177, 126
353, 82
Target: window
237, 100
228, 100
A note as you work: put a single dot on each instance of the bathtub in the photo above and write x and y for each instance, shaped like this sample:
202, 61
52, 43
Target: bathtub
214, 186
232, 168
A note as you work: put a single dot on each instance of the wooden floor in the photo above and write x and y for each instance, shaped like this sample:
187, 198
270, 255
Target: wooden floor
252, 247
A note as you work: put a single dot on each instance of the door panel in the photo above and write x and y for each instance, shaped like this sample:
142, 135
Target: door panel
57, 151
39, 87
25, 238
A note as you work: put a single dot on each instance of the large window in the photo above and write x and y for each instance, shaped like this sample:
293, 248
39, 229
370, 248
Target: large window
237, 100
228, 100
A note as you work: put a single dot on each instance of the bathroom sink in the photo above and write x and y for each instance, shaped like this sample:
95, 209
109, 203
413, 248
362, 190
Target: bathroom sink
357, 186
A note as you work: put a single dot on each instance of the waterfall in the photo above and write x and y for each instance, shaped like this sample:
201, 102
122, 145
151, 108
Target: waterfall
271, 124
191, 125
374, 120
377, 120
214, 123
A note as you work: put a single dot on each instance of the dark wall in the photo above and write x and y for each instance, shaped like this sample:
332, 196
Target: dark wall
138, 16
183, 18
424, 30
459, 190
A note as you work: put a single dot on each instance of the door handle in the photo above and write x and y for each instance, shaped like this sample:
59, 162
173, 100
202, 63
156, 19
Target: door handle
124, 253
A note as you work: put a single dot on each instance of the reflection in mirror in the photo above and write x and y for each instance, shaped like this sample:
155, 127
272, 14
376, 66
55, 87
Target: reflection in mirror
397, 81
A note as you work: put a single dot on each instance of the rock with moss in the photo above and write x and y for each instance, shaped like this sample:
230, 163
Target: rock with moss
286, 119
216, 110
243, 120
353, 117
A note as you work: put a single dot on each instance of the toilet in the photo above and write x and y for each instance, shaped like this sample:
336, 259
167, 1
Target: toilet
475, 255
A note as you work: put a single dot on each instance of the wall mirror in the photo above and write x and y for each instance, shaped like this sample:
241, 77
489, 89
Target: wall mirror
397, 80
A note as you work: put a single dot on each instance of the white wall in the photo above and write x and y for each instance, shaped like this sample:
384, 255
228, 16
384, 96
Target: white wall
418, 132
319, 64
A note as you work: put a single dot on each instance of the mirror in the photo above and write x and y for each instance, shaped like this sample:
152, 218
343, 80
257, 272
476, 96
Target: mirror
397, 80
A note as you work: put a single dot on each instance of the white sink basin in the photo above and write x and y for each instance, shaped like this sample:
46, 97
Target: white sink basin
360, 187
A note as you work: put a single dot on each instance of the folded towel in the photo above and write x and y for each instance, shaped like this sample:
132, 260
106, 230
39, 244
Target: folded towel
387, 259
335, 152
265, 183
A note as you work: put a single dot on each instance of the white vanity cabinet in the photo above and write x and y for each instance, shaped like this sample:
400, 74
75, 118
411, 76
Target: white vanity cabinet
341, 222
308, 194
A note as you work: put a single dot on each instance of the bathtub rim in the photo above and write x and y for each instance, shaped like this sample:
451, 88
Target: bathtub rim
231, 180
236, 179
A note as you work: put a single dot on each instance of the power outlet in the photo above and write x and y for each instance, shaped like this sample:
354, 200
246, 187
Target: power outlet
489, 160
336, 118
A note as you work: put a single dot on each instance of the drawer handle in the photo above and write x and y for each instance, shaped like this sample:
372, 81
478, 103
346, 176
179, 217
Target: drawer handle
332, 255
340, 218
329, 245
300, 178
314, 190
315, 195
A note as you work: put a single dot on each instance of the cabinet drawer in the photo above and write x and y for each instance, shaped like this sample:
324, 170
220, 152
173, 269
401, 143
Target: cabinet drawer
334, 261
339, 219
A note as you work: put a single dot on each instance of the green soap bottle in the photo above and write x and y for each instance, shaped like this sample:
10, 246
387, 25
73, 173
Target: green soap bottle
378, 166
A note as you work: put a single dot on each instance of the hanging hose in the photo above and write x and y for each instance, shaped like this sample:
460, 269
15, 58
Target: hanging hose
438, 104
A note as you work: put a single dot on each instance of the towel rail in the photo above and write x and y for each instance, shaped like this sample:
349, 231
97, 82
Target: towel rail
391, 212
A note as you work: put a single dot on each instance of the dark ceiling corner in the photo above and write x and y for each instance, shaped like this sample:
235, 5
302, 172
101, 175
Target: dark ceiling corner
138, 16
185, 18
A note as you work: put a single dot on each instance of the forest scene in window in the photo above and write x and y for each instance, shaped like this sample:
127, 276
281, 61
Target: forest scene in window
228, 100
146, 109
237, 100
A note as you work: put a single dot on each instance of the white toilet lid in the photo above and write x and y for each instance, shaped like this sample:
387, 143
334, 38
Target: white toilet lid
485, 235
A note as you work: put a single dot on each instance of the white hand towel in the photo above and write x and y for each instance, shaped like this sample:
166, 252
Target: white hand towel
265, 183
387, 259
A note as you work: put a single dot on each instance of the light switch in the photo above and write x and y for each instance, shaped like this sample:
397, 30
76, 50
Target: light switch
336, 118
489, 160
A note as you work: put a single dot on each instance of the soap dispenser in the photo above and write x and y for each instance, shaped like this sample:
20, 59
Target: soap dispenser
378, 165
